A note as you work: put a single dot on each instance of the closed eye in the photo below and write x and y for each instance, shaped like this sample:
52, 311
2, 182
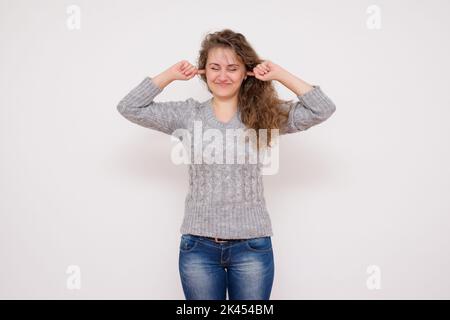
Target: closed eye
218, 69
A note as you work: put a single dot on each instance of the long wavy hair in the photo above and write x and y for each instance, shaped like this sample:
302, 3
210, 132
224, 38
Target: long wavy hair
259, 105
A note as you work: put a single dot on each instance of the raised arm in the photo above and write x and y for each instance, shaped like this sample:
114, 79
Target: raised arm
139, 106
313, 106
311, 109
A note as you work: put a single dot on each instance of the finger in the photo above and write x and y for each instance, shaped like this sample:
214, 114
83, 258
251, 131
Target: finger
264, 67
188, 70
185, 65
201, 71
250, 73
262, 71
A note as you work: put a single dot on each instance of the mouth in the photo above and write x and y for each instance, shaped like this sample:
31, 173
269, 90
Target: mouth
223, 85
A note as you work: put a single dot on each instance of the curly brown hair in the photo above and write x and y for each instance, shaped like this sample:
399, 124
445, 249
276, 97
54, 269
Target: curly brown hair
258, 101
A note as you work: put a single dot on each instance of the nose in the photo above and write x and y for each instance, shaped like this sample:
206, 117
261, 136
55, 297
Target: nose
223, 76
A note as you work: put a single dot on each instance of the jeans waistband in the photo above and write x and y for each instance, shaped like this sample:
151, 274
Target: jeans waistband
218, 240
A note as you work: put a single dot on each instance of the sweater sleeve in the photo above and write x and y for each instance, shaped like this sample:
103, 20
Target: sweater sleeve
311, 109
138, 107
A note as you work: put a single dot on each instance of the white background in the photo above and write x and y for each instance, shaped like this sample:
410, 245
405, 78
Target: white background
81, 185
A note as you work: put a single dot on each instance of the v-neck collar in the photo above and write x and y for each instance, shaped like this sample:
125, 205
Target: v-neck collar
211, 116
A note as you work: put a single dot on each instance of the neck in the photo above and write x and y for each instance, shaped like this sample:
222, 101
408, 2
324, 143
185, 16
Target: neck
225, 106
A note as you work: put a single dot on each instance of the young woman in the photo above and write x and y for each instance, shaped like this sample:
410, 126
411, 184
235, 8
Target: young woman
226, 231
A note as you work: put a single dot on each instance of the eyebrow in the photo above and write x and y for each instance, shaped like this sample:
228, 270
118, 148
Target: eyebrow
232, 64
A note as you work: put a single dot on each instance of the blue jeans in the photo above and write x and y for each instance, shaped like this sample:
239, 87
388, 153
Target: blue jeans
208, 269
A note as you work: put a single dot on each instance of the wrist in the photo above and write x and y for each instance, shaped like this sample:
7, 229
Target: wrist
163, 79
284, 77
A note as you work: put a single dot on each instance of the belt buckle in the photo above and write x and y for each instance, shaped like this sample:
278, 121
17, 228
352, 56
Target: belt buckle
219, 241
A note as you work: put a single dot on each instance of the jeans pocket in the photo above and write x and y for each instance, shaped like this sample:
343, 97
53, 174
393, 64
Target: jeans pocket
187, 243
261, 244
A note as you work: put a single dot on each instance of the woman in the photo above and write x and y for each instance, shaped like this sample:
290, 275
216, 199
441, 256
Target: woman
226, 231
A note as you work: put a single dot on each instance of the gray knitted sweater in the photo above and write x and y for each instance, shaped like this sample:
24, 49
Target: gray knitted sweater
224, 200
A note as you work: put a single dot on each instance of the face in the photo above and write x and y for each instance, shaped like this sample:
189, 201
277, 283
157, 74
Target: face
224, 72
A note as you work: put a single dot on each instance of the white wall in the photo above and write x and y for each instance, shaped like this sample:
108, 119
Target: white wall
80, 185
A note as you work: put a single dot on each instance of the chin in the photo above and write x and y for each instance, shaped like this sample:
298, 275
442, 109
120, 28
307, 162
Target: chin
224, 93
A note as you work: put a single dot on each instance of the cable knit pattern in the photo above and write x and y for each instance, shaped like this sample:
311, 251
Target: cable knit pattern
224, 200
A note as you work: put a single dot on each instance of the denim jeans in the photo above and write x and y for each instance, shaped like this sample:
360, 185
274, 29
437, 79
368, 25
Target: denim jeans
208, 269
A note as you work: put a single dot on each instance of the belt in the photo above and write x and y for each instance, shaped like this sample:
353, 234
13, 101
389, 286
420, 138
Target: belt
220, 240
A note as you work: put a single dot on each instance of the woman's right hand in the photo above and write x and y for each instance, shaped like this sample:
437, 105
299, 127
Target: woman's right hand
184, 70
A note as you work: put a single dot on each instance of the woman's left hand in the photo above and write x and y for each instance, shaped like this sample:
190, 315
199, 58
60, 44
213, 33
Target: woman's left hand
267, 71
